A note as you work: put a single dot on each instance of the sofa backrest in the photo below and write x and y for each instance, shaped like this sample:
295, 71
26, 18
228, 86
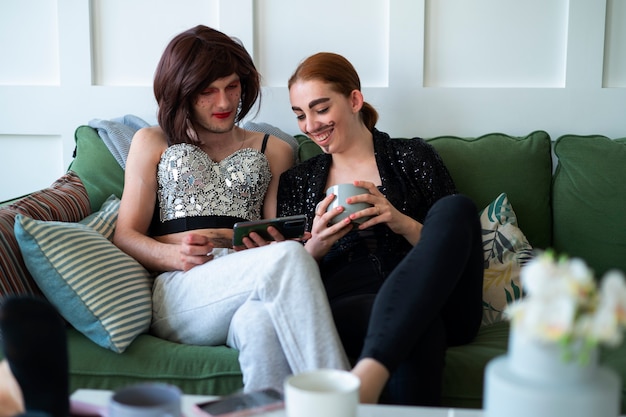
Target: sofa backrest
481, 167
589, 199
495, 163
98, 169
578, 211
488, 165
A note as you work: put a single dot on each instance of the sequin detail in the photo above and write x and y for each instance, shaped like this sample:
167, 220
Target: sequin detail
413, 178
191, 184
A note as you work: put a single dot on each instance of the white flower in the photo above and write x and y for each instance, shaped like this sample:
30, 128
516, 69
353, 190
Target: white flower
613, 292
611, 313
562, 302
538, 275
546, 318
603, 326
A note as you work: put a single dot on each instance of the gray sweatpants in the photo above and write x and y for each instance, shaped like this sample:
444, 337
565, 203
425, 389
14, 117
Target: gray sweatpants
268, 302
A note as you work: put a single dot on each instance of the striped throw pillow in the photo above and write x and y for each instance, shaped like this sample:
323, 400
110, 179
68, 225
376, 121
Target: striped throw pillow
103, 221
100, 290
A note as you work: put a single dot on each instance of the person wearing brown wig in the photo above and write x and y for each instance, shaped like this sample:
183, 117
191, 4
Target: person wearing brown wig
187, 182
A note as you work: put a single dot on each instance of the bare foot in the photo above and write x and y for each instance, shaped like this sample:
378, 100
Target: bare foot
373, 376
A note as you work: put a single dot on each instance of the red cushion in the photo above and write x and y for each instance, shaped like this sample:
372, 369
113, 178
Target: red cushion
65, 200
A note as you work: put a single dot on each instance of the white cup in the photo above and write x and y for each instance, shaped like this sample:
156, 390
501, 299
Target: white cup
322, 393
342, 192
146, 400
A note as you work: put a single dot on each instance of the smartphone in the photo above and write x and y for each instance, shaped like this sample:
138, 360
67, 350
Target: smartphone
244, 404
290, 227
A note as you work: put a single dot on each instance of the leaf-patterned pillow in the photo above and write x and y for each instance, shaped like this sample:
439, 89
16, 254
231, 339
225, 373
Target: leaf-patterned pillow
505, 250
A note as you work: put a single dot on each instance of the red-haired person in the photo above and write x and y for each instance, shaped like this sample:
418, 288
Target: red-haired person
407, 283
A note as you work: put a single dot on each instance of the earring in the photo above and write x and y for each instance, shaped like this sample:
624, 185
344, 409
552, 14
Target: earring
239, 106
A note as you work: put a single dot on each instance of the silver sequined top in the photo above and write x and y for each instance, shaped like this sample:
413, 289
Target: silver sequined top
195, 189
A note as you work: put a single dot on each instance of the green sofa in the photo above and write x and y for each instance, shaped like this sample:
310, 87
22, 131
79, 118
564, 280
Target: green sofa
576, 208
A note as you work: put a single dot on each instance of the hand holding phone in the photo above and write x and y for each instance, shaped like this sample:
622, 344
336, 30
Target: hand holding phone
239, 405
291, 227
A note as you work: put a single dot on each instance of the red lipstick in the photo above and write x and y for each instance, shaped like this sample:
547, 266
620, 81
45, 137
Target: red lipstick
224, 115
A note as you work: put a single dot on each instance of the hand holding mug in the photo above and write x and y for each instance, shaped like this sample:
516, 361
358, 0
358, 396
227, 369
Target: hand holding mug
342, 193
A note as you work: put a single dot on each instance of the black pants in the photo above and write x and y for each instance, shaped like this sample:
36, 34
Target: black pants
431, 300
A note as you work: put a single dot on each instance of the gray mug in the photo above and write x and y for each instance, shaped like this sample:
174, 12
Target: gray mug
342, 192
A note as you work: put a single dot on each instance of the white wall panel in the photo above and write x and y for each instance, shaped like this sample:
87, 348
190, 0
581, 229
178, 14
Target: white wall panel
615, 44
29, 42
45, 156
496, 43
288, 31
430, 67
129, 36
585, 44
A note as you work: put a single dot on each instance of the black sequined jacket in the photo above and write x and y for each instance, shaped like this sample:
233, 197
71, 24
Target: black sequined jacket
413, 177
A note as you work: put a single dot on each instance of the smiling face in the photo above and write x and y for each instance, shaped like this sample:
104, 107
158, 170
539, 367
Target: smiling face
215, 108
324, 115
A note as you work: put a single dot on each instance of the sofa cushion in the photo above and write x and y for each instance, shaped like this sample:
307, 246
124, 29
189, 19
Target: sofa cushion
199, 370
505, 250
98, 169
306, 148
589, 198
495, 163
465, 366
65, 200
97, 288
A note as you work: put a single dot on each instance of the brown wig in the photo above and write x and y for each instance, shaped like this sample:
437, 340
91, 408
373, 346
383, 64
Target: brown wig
339, 73
192, 61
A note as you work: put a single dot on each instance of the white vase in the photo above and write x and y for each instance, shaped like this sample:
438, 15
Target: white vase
535, 380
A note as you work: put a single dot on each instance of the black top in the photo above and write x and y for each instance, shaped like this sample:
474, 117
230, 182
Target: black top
413, 177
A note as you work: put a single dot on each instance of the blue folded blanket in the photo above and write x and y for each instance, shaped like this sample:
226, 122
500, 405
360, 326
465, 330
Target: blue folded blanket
118, 133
